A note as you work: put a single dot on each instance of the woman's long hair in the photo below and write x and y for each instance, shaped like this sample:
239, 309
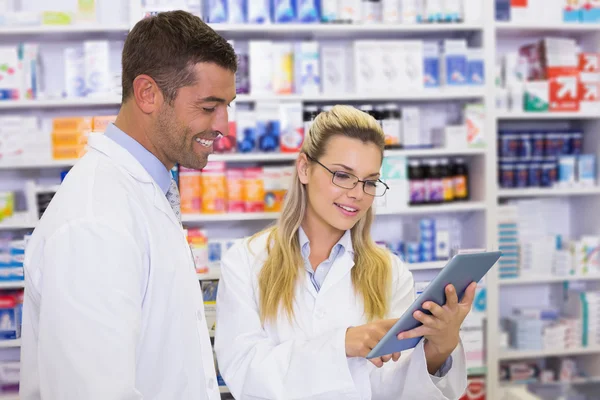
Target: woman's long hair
371, 273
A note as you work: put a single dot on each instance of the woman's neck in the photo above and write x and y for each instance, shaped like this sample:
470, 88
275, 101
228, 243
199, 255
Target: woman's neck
321, 235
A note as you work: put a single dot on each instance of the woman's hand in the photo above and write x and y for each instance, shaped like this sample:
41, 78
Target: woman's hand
441, 328
360, 340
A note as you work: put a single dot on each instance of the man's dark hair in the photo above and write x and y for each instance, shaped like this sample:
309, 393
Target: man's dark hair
167, 46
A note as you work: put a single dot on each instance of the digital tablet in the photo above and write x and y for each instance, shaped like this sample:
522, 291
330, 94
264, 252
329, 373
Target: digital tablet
461, 271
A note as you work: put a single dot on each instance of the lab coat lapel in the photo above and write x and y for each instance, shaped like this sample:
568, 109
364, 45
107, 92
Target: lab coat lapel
123, 158
339, 271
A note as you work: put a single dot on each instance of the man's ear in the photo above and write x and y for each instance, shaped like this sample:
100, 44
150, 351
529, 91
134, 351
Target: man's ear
302, 164
147, 94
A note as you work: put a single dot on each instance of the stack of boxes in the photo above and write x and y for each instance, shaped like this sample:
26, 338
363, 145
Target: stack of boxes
433, 244
19, 72
12, 255
508, 241
548, 11
543, 329
70, 135
219, 189
558, 78
11, 310
584, 307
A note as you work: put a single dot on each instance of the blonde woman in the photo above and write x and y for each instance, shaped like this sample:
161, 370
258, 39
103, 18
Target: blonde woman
301, 304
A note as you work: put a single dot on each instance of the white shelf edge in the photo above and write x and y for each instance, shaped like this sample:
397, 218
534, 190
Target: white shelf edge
517, 116
548, 192
61, 29
223, 217
426, 209
10, 343
426, 266
16, 226
446, 93
565, 26
581, 381
343, 28
439, 208
528, 354
257, 157
9, 396
540, 280
112, 101
12, 284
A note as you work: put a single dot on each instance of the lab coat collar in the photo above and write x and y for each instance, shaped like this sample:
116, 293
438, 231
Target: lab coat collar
128, 162
345, 241
342, 265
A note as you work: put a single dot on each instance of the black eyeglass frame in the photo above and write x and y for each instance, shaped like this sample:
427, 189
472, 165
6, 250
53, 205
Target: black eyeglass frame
364, 182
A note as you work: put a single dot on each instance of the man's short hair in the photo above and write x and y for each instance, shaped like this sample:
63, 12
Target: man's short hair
167, 46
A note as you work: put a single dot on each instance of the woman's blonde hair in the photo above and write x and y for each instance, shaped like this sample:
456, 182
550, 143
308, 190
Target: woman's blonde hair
372, 270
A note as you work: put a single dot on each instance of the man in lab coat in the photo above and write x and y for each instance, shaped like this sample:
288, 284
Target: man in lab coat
113, 308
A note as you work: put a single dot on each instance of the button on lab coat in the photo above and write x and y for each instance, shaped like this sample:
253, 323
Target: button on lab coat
113, 307
306, 359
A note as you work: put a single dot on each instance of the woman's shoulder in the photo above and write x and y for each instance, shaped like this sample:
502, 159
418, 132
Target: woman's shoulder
250, 248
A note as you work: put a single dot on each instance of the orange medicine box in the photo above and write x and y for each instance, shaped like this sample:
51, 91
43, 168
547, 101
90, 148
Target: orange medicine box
198, 242
99, 123
213, 186
274, 188
83, 124
254, 189
68, 152
235, 190
69, 138
190, 190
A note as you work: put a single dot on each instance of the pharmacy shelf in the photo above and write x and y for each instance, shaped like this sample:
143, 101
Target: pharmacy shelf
442, 94
574, 382
4, 226
12, 285
250, 216
467, 206
61, 29
426, 266
436, 152
422, 95
9, 396
254, 157
209, 277
506, 355
503, 26
60, 103
540, 116
267, 216
540, 280
548, 192
10, 343
222, 389
343, 29
33, 164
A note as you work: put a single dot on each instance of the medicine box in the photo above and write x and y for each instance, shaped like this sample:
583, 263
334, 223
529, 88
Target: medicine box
10, 317
590, 11
572, 10
431, 64
537, 96
454, 62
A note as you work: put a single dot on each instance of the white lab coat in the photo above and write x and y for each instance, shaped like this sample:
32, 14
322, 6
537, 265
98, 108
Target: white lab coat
307, 359
113, 307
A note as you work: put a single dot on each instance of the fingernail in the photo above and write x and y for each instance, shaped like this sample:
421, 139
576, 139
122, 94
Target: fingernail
451, 289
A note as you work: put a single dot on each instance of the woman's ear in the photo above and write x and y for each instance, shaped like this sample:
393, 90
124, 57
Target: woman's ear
302, 168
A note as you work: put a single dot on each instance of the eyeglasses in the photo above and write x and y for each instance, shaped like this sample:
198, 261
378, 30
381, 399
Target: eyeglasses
345, 180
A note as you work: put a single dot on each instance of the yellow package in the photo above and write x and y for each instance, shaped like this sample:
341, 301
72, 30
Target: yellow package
213, 187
